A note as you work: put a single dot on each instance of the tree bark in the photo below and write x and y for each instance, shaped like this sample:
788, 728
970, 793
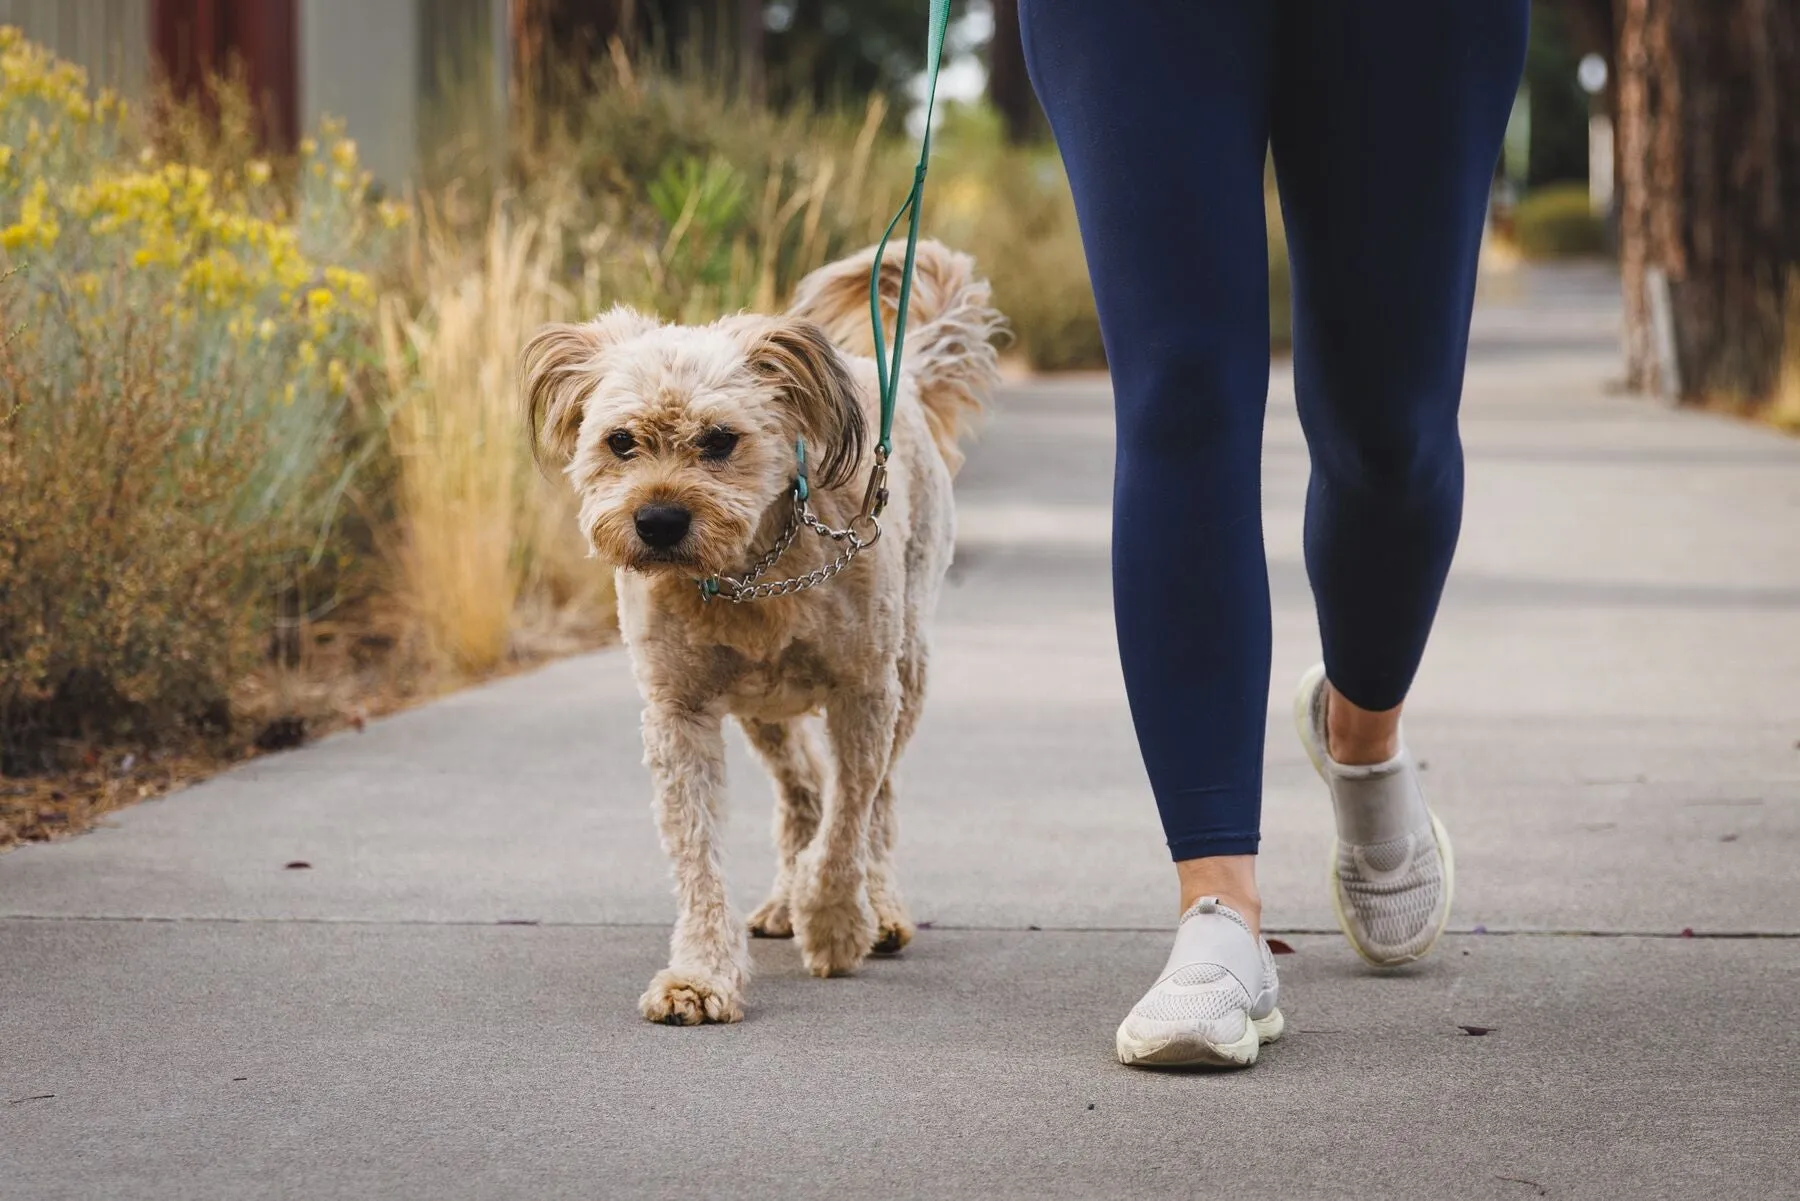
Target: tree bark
1710, 152
1009, 87
1632, 134
556, 43
750, 50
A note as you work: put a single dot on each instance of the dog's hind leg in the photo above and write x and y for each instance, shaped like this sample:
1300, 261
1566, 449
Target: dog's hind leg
893, 928
790, 752
833, 919
709, 959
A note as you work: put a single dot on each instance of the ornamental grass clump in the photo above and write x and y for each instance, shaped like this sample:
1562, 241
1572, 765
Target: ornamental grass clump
180, 351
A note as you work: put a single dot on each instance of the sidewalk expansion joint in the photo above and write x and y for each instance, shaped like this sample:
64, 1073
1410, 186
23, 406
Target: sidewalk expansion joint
927, 927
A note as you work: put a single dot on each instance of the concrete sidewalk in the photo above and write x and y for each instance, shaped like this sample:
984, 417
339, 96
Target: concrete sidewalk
442, 1005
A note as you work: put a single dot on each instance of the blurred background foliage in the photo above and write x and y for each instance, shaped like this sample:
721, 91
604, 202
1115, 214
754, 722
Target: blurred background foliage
260, 450
260, 464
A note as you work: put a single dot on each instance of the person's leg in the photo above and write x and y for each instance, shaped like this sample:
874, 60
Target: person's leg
1386, 127
1160, 111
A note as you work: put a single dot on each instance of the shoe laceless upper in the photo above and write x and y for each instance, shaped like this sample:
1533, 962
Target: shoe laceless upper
1213, 972
1389, 869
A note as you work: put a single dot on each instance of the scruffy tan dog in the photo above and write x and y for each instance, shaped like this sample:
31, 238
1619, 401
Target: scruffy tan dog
680, 443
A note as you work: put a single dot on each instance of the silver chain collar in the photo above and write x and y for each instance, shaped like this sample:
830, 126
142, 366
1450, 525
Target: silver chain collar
750, 586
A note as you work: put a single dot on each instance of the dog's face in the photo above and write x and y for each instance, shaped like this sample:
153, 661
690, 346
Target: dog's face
678, 439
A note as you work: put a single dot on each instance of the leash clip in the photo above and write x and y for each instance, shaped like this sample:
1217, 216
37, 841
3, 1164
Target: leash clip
875, 497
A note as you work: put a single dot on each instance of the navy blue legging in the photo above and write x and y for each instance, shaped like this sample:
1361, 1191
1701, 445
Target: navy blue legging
1385, 118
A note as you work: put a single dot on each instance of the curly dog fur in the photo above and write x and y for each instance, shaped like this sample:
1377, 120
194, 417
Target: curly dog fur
679, 443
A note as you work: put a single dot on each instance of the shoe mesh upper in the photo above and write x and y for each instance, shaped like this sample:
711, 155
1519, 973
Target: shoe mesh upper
1388, 856
1203, 992
1207, 993
1393, 892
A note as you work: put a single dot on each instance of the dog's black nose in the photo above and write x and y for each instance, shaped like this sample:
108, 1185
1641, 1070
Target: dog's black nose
661, 525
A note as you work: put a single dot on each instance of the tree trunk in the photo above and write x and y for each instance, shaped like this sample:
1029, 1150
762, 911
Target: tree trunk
556, 43
1632, 135
1710, 147
750, 50
1009, 88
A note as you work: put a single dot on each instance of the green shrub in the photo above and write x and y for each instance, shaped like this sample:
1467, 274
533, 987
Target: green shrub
177, 354
1557, 222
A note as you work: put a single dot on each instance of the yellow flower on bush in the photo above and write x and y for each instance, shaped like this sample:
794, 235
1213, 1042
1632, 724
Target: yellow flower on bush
33, 73
233, 262
36, 225
353, 285
392, 214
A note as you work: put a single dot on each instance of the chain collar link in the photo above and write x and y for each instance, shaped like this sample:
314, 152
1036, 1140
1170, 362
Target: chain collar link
863, 532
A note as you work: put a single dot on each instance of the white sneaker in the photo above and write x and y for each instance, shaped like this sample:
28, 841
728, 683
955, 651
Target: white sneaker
1392, 871
1214, 1004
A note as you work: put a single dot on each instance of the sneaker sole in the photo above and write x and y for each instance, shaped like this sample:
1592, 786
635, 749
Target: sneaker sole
1315, 753
1198, 1052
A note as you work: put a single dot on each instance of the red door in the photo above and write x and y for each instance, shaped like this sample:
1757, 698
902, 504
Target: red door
198, 39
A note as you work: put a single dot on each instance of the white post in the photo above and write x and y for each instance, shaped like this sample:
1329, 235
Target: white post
1600, 164
1662, 330
1591, 74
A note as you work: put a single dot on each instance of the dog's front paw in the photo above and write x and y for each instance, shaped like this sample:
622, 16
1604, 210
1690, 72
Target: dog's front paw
772, 920
679, 998
836, 927
835, 939
892, 933
893, 929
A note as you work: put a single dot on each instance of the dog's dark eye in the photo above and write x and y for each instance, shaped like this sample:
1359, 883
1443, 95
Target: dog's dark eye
716, 445
621, 443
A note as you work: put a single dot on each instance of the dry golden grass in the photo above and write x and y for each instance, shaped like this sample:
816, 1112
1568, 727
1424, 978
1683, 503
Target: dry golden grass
1783, 409
489, 561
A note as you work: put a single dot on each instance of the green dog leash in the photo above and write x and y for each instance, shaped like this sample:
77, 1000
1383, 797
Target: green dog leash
875, 497
909, 209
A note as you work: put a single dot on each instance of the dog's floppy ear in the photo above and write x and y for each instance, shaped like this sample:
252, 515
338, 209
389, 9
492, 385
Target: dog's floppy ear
559, 367
799, 359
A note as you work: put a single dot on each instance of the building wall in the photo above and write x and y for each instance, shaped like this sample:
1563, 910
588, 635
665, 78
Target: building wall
400, 73
111, 38
359, 61
396, 70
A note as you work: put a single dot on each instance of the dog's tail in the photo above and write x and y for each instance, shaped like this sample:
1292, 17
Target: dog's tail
950, 329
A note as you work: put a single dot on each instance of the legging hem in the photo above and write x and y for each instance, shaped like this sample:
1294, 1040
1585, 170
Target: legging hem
1208, 846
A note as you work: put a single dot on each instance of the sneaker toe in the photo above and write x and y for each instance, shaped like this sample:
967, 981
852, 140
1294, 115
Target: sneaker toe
1194, 1015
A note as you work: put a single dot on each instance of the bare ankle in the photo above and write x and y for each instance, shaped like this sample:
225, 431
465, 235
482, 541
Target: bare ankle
1359, 737
1231, 878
